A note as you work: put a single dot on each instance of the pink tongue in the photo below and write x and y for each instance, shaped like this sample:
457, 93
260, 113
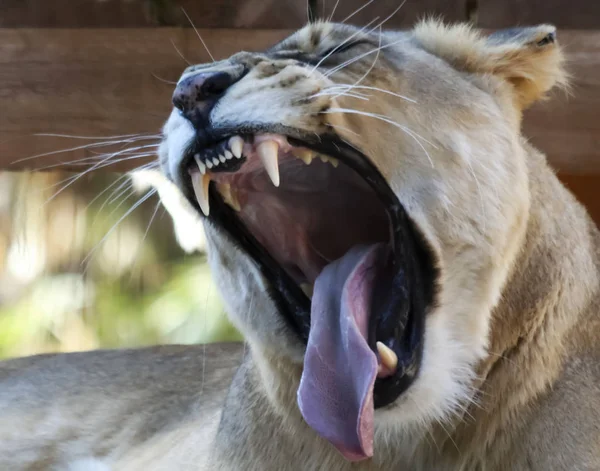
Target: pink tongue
336, 390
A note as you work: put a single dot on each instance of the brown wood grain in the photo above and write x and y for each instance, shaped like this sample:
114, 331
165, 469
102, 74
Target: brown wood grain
100, 82
571, 14
270, 14
95, 82
410, 12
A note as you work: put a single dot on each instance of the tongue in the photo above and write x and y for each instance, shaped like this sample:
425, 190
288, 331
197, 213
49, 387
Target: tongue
336, 390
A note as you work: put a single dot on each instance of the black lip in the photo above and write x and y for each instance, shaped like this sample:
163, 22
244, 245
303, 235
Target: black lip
401, 298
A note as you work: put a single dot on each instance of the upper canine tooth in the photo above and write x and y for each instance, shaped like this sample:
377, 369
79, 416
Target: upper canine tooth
200, 182
201, 165
388, 357
236, 144
305, 155
267, 151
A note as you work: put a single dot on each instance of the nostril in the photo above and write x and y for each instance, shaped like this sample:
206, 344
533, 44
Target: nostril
216, 84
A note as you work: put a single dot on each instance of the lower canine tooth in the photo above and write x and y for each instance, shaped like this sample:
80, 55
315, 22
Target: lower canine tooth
388, 357
267, 151
229, 195
308, 289
200, 182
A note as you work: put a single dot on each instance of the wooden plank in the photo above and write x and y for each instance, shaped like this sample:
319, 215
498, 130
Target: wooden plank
571, 14
100, 82
270, 14
410, 12
96, 83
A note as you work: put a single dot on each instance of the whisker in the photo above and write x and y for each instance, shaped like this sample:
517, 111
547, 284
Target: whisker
342, 44
75, 136
150, 193
384, 21
333, 11
198, 34
376, 89
180, 54
160, 79
405, 129
357, 11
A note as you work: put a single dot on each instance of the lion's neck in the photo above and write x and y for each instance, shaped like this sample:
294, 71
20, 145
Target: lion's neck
553, 283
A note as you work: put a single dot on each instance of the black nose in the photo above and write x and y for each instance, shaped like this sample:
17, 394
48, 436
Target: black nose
196, 95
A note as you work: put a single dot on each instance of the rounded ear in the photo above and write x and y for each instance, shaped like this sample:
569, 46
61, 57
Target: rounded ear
528, 58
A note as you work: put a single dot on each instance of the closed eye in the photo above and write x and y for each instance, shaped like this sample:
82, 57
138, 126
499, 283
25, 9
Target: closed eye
343, 47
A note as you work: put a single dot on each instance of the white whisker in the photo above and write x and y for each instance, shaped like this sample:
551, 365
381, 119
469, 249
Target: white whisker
180, 54
376, 89
385, 119
198, 34
129, 211
357, 11
333, 11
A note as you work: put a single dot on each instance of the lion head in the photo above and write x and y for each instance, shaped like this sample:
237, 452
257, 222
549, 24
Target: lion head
365, 195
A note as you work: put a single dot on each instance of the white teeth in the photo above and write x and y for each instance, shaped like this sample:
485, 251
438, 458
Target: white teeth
222, 159
267, 151
236, 144
215, 161
388, 357
201, 166
331, 160
229, 195
200, 182
308, 289
228, 155
209, 164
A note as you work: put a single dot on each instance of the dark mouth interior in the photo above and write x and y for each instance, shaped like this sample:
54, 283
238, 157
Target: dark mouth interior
319, 213
316, 215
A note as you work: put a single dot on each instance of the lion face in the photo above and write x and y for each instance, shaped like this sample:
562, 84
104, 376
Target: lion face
365, 195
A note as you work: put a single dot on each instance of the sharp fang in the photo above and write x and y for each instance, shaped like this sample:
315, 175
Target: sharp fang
308, 289
201, 166
388, 357
305, 155
200, 183
215, 161
228, 155
229, 195
236, 144
267, 151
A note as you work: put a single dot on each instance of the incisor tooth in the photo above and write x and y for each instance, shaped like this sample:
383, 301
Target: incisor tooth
229, 195
215, 161
267, 151
209, 164
222, 159
201, 166
200, 183
228, 155
305, 155
236, 144
388, 357
308, 289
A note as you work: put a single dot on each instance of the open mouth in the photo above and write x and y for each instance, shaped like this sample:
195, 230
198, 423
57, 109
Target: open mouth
349, 270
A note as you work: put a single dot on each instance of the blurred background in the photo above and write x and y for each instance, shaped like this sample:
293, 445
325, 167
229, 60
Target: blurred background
93, 259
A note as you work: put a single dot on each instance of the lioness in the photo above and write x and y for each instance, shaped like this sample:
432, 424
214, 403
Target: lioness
416, 288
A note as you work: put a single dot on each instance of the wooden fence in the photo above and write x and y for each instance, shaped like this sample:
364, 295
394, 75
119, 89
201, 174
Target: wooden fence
92, 67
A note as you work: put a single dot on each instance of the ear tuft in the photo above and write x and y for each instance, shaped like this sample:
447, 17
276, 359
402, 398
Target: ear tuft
528, 58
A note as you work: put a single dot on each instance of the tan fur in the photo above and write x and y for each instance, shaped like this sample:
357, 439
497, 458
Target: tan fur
510, 375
